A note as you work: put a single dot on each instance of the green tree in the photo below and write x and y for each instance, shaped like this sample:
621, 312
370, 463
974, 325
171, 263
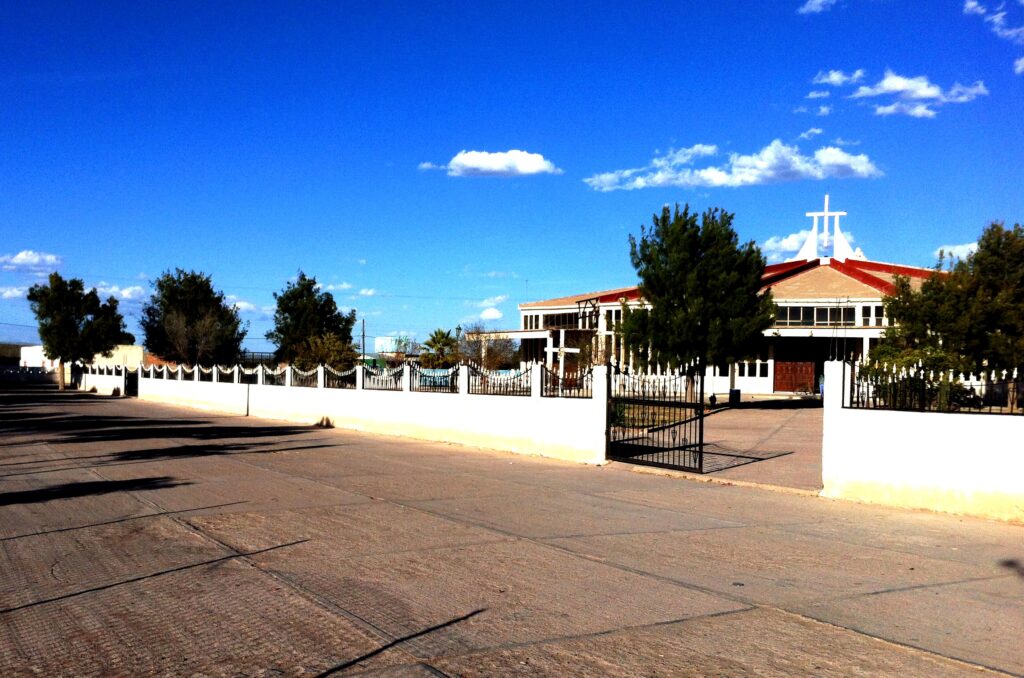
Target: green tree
187, 321
326, 349
73, 324
969, 316
443, 347
309, 329
702, 289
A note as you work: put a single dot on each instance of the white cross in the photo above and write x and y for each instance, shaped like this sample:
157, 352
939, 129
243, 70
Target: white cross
560, 351
826, 214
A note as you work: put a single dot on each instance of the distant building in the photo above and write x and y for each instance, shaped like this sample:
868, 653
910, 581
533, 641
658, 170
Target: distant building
124, 354
827, 307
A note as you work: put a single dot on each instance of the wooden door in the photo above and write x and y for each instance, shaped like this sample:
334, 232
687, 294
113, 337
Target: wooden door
795, 377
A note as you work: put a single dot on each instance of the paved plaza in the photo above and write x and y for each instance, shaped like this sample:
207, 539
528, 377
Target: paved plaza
138, 539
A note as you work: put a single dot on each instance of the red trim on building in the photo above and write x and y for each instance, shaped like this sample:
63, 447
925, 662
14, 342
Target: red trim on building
892, 269
883, 286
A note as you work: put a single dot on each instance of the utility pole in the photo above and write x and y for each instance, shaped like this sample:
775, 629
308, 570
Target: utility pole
363, 343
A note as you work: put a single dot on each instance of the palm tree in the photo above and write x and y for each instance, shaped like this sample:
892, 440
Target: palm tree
443, 347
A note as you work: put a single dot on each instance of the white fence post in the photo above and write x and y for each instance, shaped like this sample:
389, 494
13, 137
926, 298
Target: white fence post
406, 377
237, 372
215, 375
319, 376
360, 375
463, 379
288, 375
259, 374
535, 377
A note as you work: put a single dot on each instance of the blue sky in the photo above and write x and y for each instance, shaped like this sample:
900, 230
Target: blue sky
372, 146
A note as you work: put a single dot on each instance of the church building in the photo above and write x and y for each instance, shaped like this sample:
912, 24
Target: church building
828, 305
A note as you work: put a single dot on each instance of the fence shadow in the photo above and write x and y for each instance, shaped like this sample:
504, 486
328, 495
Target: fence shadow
86, 489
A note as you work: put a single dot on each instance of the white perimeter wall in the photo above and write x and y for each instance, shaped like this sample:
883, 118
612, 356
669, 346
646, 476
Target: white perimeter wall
564, 428
105, 384
960, 463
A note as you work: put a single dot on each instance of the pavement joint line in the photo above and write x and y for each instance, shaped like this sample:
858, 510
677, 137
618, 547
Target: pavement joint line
298, 588
515, 536
488, 649
940, 555
919, 587
118, 520
774, 431
151, 575
891, 641
583, 556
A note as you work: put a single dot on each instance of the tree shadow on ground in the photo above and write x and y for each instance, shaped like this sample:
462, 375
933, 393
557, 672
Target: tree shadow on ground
86, 489
181, 452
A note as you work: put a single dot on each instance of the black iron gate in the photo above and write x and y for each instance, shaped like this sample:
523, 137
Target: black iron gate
656, 420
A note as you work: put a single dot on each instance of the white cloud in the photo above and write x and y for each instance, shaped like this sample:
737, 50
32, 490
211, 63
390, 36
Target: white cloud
334, 287
774, 163
800, 109
367, 292
131, 293
777, 248
838, 78
12, 292
917, 96
491, 314
244, 306
974, 7
361, 262
811, 133
815, 6
957, 251
997, 22
818, 94
918, 87
29, 260
511, 163
913, 110
839, 141
492, 301
824, 110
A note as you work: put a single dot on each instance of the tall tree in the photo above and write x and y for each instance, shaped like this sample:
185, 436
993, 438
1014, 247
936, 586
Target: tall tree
968, 317
73, 324
309, 328
702, 287
188, 321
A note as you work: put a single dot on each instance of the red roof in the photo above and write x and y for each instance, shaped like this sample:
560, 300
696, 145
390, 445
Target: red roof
875, 274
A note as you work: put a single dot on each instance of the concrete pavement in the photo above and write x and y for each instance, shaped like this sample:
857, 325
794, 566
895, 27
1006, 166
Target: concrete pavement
144, 540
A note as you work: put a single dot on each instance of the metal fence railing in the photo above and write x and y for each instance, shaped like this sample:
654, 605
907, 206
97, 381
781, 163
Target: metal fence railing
382, 378
499, 382
434, 380
921, 390
575, 384
304, 378
335, 379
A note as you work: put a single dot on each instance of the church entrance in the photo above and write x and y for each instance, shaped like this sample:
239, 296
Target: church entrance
800, 361
795, 377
